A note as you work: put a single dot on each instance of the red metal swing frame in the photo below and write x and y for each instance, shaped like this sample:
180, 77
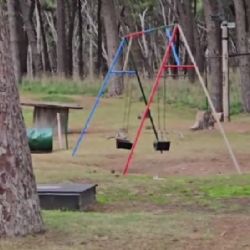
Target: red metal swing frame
163, 67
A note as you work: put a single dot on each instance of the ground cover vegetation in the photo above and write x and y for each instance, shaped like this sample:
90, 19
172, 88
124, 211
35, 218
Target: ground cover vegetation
188, 198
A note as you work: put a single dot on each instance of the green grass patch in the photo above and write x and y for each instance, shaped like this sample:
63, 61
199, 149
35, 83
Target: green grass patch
206, 192
179, 93
96, 231
228, 191
97, 154
98, 223
57, 98
52, 86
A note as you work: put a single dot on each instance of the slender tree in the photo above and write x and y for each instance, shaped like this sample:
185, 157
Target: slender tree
112, 38
47, 65
99, 61
80, 37
242, 11
19, 204
27, 9
186, 17
61, 39
211, 8
71, 14
14, 38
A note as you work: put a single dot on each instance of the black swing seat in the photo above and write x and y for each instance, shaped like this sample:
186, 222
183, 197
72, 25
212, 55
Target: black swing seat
123, 144
162, 145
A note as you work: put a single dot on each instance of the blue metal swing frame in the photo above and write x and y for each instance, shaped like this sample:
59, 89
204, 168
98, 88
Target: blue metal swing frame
111, 73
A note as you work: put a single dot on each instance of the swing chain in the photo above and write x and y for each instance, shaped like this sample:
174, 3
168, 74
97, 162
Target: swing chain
164, 105
159, 113
128, 90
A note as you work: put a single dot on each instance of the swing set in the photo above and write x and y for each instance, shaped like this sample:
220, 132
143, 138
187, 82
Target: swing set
125, 143
174, 35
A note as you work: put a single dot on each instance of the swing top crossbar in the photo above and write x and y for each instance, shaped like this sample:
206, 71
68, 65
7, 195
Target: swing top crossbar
137, 34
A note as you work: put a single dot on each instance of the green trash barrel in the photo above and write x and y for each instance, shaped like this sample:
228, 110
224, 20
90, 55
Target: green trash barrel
40, 139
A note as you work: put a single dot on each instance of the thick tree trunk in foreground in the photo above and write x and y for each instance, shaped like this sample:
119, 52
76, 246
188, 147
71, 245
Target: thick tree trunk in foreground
214, 49
112, 38
242, 8
19, 204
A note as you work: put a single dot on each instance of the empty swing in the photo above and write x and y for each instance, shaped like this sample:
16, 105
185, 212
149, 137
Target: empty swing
161, 144
123, 144
122, 141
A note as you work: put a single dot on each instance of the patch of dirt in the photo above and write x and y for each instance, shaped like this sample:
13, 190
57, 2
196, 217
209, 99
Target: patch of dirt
232, 232
241, 205
134, 206
208, 163
189, 167
216, 165
228, 232
237, 127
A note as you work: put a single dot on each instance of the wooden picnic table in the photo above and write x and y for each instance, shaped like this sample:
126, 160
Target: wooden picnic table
45, 114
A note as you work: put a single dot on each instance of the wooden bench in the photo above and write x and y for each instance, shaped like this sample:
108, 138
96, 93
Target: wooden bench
45, 115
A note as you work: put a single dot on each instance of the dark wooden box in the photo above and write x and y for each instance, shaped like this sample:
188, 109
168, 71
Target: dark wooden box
66, 196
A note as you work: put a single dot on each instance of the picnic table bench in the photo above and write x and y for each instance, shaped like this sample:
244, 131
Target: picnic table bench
45, 114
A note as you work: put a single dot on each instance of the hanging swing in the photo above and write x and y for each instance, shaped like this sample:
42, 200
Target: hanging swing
161, 144
122, 141
123, 144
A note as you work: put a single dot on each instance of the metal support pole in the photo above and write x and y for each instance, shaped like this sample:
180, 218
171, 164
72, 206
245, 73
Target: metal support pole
143, 94
210, 102
143, 32
225, 72
104, 86
150, 99
174, 51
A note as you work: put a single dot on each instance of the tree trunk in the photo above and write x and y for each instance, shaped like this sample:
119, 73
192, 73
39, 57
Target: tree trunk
27, 13
19, 204
72, 7
61, 39
112, 38
23, 42
199, 50
243, 46
100, 60
91, 61
80, 37
186, 15
14, 39
214, 52
47, 65
18, 39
